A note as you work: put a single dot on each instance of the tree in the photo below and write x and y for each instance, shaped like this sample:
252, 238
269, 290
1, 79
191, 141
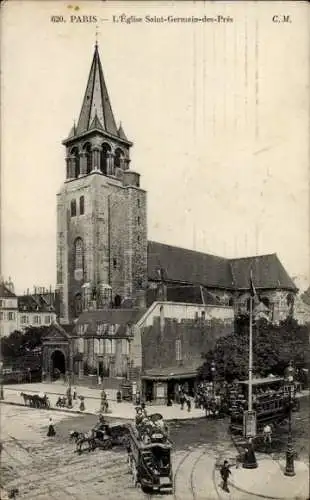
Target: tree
273, 347
18, 343
306, 296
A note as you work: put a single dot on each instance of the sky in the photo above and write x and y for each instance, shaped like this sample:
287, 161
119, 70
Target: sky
218, 114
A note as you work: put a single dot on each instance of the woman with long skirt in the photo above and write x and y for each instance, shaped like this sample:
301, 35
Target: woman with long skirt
51, 429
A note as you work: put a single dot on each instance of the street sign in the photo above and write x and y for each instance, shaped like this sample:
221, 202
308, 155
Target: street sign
249, 424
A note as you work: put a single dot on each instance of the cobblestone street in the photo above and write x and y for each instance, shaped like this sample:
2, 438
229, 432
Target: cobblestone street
45, 468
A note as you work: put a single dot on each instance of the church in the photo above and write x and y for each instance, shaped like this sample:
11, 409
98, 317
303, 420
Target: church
130, 307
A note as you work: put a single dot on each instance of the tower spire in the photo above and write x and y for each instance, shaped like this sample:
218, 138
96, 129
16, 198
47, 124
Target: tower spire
96, 100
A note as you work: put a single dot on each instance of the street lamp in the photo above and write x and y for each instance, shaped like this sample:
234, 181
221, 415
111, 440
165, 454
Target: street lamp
1, 381
289, 466
213, 372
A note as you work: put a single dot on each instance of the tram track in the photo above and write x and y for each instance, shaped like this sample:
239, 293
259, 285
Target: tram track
191, 495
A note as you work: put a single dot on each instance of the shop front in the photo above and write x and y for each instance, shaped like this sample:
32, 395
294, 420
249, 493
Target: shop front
160, 386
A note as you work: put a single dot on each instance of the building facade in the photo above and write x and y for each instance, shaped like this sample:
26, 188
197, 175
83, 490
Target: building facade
101, 211
8, 308
130, 307
20, 312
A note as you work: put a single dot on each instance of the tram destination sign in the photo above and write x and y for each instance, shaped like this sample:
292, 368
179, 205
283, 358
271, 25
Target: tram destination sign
249, 424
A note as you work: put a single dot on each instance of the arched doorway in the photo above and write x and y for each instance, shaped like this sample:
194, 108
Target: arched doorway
117, 301
58, 364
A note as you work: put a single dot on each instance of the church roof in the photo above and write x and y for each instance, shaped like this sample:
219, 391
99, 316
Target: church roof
188, 266
180, 265
268, 272
96, 101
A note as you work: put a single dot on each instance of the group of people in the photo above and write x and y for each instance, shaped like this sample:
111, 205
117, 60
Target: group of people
146, 426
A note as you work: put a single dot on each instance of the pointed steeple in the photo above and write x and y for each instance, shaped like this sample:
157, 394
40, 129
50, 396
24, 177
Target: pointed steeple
121, 132
72, 132
96, 101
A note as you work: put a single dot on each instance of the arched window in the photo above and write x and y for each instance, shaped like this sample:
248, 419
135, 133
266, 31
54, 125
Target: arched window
73, 208
82, 205
78, 254
75, 154
78, 308
104, 155
87, 150
118, 159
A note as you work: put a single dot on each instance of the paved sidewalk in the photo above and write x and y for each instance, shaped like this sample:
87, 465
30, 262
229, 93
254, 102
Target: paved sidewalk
266, 481
123, 410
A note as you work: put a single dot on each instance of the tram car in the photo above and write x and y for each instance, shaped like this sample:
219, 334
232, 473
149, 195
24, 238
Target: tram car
271, 401
150, 462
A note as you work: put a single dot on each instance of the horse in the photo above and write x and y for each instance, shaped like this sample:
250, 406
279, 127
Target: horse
81, 438
27, 398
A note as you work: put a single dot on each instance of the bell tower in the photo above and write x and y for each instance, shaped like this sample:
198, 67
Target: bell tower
101, 211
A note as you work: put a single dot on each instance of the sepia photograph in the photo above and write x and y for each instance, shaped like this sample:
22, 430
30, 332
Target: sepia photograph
155, 250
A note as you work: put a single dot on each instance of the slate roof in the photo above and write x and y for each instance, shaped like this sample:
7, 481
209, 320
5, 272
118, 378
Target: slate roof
96, 101
5, 292
188, 266
180, 265
120, 317
267, 270
34, 303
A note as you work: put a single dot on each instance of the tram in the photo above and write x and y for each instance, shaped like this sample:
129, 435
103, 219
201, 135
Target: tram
150, 462
271, 401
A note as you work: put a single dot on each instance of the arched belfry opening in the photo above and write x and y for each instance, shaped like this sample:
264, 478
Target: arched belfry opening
76, 162
118, 158
58, 363
104, 158
87, 151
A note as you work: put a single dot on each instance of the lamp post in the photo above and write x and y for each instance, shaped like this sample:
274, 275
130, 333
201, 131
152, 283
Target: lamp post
213, 372
1, 381
249, 461
289, 466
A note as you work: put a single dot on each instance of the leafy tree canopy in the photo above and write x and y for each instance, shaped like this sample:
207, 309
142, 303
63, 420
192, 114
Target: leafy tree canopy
19, 343
306, 296
273, 347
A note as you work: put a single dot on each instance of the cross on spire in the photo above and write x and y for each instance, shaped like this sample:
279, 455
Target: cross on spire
96, 36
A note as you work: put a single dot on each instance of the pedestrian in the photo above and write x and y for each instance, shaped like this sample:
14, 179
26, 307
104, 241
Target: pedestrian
182, 400
82, 404
267, 436
51, 429
225, 472
74, 394
189, 404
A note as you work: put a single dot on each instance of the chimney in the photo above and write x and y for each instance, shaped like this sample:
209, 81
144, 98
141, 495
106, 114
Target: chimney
140, 301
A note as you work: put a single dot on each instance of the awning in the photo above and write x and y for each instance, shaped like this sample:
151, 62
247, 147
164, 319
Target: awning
173, 373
